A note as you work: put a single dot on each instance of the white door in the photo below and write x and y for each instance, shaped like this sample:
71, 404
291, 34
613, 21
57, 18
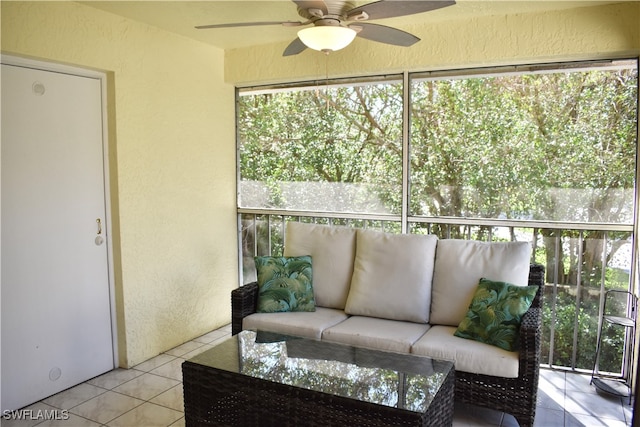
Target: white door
55, 295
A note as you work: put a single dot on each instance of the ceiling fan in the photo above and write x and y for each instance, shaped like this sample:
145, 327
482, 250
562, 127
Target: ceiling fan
331, 30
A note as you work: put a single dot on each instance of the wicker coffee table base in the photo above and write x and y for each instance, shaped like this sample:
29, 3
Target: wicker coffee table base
215, 397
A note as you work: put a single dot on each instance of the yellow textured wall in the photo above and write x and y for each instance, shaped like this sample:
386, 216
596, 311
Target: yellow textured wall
172, 166
575, 34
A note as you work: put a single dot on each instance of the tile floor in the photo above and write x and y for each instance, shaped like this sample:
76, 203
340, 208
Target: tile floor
150, 394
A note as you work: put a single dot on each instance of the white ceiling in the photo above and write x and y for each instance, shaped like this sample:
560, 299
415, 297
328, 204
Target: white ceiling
181, 17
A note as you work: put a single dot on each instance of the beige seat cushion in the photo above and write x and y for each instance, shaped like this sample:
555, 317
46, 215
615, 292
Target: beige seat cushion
459, 266
308, 324
380, 334
467, 355
332, 251
392, 276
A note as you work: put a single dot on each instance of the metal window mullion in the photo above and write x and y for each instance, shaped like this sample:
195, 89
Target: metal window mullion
552, 326
601, 305
269, 234
240, 251
406, 100
283, 231
576, 322
552, 225
238, 194
603, 288
255, 235
445, 220
634, 282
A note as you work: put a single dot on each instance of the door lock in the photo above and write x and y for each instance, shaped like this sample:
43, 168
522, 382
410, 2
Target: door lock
99, 239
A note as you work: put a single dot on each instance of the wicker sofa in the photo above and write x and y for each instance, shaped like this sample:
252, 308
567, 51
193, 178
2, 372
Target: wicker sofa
408, 293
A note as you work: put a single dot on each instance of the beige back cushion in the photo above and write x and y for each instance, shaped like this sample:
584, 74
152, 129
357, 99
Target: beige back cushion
332, 251
392, 276
459, 266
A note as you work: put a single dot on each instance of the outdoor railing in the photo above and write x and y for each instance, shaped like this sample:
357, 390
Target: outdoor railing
582, 261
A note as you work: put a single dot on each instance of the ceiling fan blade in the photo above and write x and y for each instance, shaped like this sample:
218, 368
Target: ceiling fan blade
384, 34
294, 48
312, 4
392, 8
250, 24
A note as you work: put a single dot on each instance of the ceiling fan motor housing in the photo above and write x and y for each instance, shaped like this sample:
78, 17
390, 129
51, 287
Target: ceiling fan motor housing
335, 9
327, 22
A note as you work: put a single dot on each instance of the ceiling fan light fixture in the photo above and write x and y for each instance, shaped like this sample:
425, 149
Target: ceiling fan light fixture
327, 38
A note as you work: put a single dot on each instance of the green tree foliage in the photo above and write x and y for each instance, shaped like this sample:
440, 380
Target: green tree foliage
346, 135
525, 146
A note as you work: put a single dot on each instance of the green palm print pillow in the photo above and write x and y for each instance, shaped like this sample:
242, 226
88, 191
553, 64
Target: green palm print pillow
285, 284
495, 313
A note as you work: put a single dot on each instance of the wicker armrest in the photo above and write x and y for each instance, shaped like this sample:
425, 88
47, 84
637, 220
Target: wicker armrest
536, 278
530, 333
244, 301
531, 327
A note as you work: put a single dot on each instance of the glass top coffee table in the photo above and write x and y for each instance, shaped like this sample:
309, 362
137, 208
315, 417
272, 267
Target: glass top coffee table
262, 378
